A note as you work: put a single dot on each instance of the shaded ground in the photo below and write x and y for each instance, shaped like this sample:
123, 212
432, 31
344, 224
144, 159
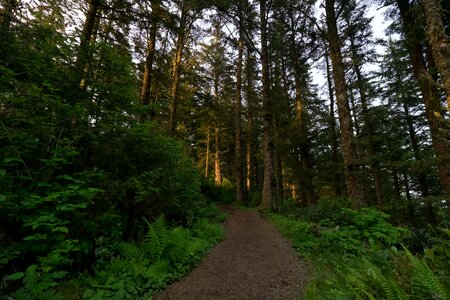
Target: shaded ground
252, 262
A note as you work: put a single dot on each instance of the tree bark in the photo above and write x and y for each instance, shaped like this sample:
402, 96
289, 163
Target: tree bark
250, 122
217, 171
149, 58
439, 42
306, 188
208, 140
354, 186
438, 125
333, 132
238, 123
176, 66
269, 183
84, 52
183, 32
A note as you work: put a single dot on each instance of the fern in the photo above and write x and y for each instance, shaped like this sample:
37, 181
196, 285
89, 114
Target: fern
131, 252
172, 245
424, 276
358, 285
176, 251
389, 285
157, 238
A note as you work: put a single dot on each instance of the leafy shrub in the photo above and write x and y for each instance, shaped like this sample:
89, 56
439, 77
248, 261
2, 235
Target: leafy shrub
166, 254
213, 193
356, 230
359, 258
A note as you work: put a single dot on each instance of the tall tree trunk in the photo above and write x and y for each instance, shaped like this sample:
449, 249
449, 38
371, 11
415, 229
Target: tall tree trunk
375, 167
302, 144
238, 111
176, 66
208, 141
355, 123
217, 171
438, 125
269, 183
250, 122
183, 32
411, 212
84, 52
149, 58
354, 186
333, 132
397, 189
439, 42
306, 188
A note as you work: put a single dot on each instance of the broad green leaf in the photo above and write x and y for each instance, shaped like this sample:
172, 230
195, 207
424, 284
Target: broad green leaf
16, 276
60, 229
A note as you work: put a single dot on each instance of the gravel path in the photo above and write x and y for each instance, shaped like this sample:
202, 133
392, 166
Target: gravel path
252, 262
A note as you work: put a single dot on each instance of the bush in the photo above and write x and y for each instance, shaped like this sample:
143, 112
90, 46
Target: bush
166, 254
359, 258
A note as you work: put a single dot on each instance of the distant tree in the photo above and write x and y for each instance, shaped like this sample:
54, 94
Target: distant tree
430, 93
358, 34
269, 183
351, 168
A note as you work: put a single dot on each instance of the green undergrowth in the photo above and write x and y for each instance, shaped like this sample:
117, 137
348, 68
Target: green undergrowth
359, 255
135, 270
166, 254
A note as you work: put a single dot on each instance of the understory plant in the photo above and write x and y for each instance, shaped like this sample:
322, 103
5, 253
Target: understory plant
165, 254
362, 256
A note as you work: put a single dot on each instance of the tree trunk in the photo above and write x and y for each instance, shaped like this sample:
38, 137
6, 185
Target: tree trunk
438, 125
269, 183
217, 171
250, 127
397, 189
333, 133
439, 43
238, 137
84, 52
208, 140
176, 66
306, 188
148, 67
411, 212
375, 167
354, 186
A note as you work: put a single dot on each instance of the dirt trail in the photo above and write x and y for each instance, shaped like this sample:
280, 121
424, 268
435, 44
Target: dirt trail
252, 262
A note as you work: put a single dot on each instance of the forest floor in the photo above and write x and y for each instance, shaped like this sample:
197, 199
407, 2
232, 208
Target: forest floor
252, 262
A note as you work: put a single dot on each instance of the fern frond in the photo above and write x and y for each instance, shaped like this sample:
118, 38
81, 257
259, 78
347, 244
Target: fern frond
157, 238
446, 231
390, 287
177, 250
426, 277
131, 252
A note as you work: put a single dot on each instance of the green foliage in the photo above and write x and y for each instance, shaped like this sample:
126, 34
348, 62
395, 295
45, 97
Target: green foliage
426, 278
166, 254
214, 193
358, 258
